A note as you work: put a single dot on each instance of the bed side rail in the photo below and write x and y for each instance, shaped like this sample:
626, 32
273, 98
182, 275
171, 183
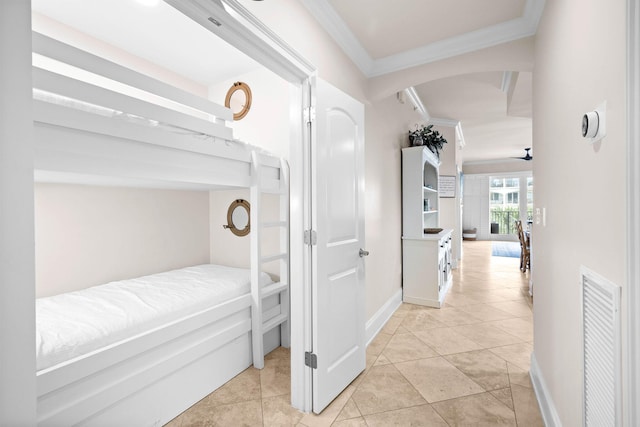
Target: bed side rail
145, 97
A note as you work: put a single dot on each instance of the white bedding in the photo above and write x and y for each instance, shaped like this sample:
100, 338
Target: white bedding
76, 323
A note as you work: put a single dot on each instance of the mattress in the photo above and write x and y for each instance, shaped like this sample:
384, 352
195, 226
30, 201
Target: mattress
76, 323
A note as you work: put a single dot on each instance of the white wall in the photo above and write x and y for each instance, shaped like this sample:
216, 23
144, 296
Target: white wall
89, 235
387, 126
267, 124
17, 317
580, 62
227, 248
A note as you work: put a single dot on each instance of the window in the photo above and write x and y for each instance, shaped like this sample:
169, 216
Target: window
512, 198
496, 198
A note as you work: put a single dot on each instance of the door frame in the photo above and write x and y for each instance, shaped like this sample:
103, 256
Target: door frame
248, 34
632, 397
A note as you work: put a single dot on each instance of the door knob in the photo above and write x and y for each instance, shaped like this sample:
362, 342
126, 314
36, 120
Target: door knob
363, 253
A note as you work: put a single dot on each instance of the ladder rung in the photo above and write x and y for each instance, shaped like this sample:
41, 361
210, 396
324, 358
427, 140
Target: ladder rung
274, 224
273, 288
271, 258
270, 324
271, 313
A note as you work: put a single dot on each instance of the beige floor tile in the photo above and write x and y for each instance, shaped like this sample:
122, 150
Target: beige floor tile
483, 367
486, 335
199, 415
518, 354
461, 299
504, 396
420, 320
384, 389
517, 308
423, 415
277, 411
353, 422
243, 387
447, 341
378, 344
519, 327
477, 410
526, 406
436, 379
405, 347
330, 413
486, 313
349, 411
452, 316
176, 422
275, 377
243, 414
402, 330
392, 324
381, 360
279, 353
519, 376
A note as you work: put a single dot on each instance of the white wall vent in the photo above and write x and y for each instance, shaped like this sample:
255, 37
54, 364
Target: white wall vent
602, 357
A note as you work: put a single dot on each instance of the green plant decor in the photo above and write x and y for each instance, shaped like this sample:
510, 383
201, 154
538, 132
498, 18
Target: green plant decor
428, 137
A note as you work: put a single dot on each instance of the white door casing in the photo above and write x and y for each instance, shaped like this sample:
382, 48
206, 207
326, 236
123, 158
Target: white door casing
338, 287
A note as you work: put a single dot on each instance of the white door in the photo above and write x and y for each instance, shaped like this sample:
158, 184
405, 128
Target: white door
338, 289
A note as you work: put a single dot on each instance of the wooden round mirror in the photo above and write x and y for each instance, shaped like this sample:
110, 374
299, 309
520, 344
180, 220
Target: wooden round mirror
238, 219
238, 99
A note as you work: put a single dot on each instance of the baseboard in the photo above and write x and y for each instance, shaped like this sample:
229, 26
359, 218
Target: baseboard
547, 408
380, 318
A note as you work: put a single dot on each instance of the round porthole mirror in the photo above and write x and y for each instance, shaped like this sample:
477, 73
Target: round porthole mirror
238, 220
238, 99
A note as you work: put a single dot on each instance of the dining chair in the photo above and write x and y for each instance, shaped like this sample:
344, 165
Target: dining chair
525, 253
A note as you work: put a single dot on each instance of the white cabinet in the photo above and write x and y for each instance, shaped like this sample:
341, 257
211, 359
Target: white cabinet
426, 269
426, 258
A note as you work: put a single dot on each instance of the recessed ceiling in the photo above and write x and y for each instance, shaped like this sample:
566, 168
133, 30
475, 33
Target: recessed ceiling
385, 28
160, 34
479, 103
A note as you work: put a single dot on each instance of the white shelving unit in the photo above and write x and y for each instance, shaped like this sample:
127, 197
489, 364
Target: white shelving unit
426, 259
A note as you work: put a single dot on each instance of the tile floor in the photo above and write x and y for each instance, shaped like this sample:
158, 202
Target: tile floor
465, 364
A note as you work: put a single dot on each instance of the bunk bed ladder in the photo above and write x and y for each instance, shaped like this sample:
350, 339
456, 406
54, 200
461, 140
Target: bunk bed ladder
279, 316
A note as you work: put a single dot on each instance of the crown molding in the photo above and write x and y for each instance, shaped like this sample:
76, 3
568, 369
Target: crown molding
504, 32
329, 19
451, 123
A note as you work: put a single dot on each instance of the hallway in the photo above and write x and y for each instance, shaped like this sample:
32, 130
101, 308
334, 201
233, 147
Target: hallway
465, 364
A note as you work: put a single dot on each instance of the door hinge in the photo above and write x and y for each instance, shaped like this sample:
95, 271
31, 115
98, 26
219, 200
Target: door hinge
310, 237
309, 114
311, 360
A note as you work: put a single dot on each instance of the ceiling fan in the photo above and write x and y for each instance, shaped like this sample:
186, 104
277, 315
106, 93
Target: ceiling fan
527, 156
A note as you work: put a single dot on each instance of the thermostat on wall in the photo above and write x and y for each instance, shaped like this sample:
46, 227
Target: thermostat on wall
594, 123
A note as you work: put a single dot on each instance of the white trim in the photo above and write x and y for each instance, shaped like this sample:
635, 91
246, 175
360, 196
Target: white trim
247, 34
547, 408
507, 76
483, 38
382, 316
451, 123
417, 103
632, 397
341, 33
460, 136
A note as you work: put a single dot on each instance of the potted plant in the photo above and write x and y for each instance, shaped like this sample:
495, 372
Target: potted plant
425, 135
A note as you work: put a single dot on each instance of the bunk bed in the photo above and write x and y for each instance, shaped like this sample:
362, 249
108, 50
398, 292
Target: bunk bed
136, 131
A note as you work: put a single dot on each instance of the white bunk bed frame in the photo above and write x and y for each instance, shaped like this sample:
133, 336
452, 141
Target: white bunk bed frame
151, 378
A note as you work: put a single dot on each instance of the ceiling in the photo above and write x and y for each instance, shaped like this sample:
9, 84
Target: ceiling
381, 37
493, 108
158, 34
